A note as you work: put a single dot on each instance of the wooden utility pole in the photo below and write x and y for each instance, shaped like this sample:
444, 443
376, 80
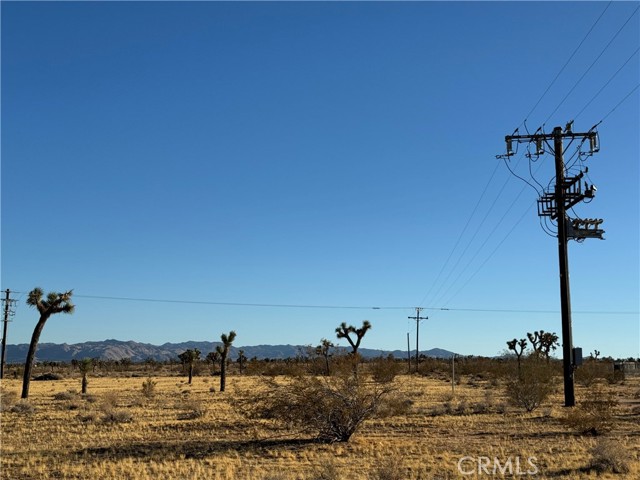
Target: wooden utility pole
408, 353
417, 318
555, 204
8, 311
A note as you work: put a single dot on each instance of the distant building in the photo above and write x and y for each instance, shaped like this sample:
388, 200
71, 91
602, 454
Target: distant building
629, 368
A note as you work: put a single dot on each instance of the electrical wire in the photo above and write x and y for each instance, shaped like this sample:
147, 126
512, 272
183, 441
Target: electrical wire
495, 228
566, 63
461, 234
607, 83
268, 305
620, 102
593, 63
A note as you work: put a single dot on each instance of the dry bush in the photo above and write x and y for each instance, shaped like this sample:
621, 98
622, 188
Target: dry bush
592, 371
390, 469
109, 400
532, 387
65, 396
192, 409
149, 388
326, 471
329, 408
593, 416
7, 400
23, 407
394, 405
609, 456
384, 370
116, 416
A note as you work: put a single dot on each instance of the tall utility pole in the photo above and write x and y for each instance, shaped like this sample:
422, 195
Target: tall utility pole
417, 318
8, 311
567, 193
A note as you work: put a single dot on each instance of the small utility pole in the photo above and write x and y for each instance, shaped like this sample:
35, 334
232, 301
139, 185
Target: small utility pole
408, 353
453, 374
417, 318
555, 204
8, 311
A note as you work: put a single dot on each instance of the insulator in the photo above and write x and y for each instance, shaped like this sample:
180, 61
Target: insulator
539, 146
509, 147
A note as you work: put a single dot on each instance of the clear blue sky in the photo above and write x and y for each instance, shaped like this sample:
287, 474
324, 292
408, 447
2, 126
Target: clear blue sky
326, 154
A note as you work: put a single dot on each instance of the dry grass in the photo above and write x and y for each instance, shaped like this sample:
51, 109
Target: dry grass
56, 442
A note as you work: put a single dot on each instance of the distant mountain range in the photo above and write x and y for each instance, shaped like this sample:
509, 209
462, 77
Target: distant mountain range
137, 352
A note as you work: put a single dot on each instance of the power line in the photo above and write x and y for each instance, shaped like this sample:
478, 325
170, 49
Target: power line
606, 84
277, 305
566, 63
592, 64
446, 262
620, 102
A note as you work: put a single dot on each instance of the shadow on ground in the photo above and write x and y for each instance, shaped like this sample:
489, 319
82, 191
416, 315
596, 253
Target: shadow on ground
190, 449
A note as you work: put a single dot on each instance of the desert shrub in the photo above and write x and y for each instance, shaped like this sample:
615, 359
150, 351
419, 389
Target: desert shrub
116, 416
394, 405
192, 409
88, 418
149, 388
591, 371
90, 398
23, 407
609, 456
594, 415
64, 396
326, 471
7, 400
109, 400
615, 376
384, 370
329, 408
389, 469
532, 387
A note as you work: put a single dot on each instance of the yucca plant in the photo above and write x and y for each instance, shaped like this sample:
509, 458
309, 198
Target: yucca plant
223, 350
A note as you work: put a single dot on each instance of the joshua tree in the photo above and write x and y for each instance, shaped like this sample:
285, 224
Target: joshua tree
513, 345
344, 331
223, 350
242, 360
595, 354
213, 358
189, 358
85, 366
54, 303
324, 350
543, 342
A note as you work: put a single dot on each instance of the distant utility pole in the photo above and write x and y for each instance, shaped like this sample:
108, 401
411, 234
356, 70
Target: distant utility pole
417, 318
408, 353
568, 191
8, 311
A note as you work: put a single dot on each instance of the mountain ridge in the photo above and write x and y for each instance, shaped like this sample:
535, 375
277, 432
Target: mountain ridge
112, 349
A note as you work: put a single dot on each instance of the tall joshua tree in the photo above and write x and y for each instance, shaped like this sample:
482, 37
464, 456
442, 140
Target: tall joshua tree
344, 331
223, 350
324, 350
513, 345
189, 358
54, 303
